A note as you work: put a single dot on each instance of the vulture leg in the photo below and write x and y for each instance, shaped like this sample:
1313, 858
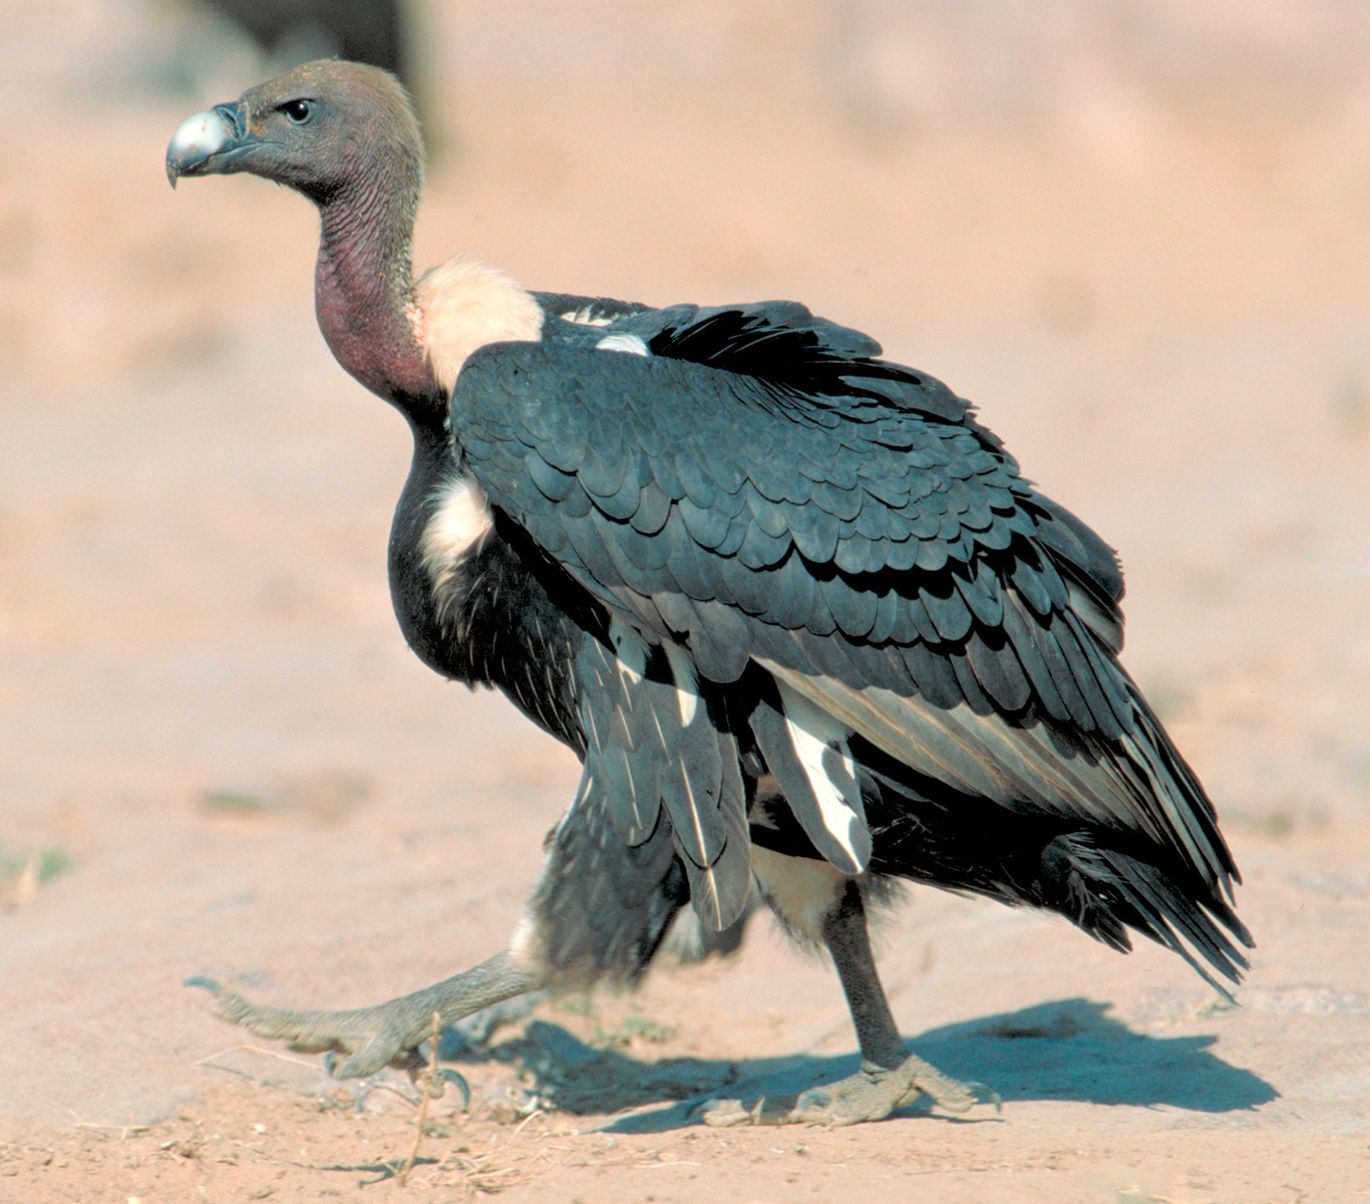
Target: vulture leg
388, 1034
890, 1076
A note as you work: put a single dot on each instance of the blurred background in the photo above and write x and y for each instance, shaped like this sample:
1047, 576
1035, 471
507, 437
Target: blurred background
1135, 232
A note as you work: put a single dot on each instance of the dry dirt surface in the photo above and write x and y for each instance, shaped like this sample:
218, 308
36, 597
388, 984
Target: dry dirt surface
1147, 259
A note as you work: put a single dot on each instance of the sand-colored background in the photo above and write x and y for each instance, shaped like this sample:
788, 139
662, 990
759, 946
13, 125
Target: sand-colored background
1137, 233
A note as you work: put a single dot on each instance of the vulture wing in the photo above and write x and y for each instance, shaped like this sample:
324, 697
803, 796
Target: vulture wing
759, 488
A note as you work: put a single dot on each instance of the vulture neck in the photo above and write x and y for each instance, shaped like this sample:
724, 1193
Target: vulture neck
364, 292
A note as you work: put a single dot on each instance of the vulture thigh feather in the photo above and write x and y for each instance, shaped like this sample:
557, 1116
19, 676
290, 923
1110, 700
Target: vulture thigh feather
806, 626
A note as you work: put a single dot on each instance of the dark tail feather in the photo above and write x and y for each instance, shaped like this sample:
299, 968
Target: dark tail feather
1106, 891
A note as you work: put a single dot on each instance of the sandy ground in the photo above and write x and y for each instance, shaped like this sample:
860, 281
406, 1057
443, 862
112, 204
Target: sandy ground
216, 755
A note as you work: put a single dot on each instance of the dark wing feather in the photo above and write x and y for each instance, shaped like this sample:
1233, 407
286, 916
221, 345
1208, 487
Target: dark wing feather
724, 479
854, 497
653, 743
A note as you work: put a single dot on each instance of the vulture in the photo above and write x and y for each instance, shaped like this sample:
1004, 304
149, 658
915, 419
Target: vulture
794, 608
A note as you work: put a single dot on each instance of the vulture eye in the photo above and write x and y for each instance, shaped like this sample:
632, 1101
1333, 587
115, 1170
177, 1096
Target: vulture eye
299, 111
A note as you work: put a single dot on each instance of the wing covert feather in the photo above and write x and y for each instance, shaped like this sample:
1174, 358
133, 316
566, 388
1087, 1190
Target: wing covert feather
875, 548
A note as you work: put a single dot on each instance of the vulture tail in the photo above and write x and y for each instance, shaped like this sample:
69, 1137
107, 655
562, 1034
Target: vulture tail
1105, 881
1107, 891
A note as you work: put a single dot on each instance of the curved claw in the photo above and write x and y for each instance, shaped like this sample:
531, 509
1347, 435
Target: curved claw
452, 1076
212, 985
437, 1085
984, 1094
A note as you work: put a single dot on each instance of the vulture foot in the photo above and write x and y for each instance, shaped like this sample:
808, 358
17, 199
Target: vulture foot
388, 1034
373, 1038
873, 1093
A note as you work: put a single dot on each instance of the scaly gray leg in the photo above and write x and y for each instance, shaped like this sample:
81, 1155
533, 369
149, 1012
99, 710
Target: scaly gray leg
890, 1076
388, 1034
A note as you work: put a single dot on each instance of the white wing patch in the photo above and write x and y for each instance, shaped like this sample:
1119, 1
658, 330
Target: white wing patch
815, 734
629, 343
984, 755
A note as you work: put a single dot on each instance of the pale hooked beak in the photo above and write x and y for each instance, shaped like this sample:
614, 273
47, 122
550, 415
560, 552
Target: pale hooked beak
201, 144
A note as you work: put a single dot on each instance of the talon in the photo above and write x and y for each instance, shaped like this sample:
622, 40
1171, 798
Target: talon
436, 1085
451, 1076
205, 984
985, 1094
949, 1094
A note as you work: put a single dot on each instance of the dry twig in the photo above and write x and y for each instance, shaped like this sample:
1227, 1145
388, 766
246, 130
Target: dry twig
430, 1078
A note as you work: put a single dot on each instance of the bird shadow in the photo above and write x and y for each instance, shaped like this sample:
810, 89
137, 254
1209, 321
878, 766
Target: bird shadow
1066, 1049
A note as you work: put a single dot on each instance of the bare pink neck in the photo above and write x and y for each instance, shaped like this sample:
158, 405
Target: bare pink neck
363, 294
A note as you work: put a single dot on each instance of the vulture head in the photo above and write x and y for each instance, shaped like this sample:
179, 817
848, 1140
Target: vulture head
325, 129
345, 136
